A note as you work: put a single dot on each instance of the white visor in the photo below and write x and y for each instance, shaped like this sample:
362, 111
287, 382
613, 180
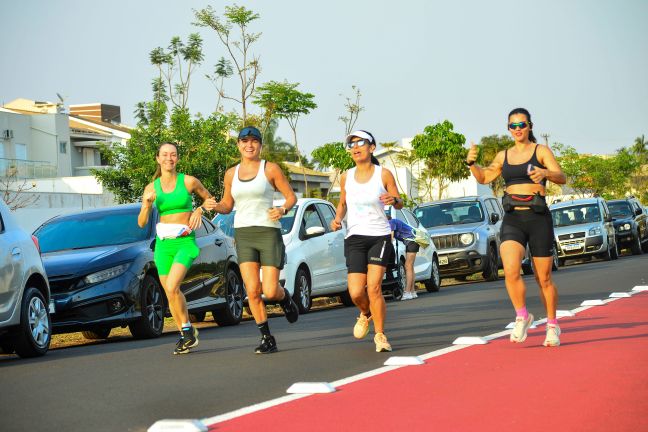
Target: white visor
360, 134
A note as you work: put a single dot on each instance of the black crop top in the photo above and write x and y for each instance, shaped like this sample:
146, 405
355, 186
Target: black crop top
517, 174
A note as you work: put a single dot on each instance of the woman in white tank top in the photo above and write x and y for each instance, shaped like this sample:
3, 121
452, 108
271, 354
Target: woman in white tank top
364, 191
250, 186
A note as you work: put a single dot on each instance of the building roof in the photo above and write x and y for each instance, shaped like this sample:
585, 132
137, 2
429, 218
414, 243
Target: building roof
29, 106
120, 128
83, 127
298, 169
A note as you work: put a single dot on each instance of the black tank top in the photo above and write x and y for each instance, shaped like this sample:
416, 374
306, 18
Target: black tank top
517, 174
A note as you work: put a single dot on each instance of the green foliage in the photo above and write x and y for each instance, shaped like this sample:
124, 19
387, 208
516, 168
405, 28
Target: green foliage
443, 152
332, 155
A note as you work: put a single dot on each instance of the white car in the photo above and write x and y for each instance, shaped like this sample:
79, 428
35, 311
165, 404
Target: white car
426, 263
25, 324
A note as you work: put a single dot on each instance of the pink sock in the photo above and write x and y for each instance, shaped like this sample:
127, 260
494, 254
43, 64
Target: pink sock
552, 321
522, 312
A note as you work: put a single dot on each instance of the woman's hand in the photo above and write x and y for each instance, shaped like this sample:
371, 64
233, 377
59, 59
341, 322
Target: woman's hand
336, 225
149, 198
388, 199
210, 203
195, 220
473, 152
275, 213
538, 174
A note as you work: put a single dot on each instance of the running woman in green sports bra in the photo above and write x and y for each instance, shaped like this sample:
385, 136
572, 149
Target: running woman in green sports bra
175, 243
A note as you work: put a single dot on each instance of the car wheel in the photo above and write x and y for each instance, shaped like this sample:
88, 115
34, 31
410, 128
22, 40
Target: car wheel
397, 287
196, 317
153, 309
491, 272
636, 245
34, 334
96, 333
7, 346
232, 312
345, 299
561, 262
302, 294
555, 265
434, 283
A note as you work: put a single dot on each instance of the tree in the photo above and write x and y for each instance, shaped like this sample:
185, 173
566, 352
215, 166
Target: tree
353, 109
639, 180
170, 61
332, 155
13, 190
247, 68
442, 150
489, 147
222, 69
282, 99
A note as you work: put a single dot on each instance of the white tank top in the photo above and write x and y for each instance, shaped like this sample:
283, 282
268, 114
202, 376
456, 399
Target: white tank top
252, 200
365, 212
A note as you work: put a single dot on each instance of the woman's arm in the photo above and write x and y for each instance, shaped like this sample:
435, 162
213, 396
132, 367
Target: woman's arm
148, 198
487, 174
226, 204
280, 183
553, 172
195, 186
392, 197
340, 212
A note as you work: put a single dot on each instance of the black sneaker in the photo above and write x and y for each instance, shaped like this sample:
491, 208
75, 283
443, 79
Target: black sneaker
189, 339
268, 345
289, 307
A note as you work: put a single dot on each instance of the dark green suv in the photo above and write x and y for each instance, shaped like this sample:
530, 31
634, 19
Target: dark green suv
630, 224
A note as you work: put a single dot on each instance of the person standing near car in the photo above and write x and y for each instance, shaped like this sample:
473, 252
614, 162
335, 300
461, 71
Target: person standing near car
403, 232
525, 168
364, 191
175, 243
250, 186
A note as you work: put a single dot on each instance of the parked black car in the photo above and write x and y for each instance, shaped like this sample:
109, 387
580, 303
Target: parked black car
630, 224
102, 275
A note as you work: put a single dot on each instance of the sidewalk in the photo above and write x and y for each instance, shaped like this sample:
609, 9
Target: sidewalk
597, 380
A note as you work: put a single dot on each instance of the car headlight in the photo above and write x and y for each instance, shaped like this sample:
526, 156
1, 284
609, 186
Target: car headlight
466, 238
595, 231
104, 275
625, 227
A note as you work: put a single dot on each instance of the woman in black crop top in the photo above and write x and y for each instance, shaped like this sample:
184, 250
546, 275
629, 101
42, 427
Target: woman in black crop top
525, 167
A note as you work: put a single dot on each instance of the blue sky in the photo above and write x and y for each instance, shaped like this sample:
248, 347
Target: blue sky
579, 66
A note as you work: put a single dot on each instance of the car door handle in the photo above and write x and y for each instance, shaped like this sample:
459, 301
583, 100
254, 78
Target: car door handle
218, 242
16, 251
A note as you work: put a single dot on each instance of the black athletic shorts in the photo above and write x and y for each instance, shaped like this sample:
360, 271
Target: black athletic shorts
411, 246
526, 226
361, 250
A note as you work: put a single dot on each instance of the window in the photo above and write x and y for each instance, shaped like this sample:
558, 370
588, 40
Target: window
21, 151
63, 146
410, 218
311, 219
202, 231
400, 216
327, 212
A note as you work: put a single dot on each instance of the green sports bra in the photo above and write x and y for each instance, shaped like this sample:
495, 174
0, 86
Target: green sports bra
178, 201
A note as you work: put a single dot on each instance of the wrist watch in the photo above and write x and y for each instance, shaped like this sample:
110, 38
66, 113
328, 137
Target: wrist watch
284, 209
471, 163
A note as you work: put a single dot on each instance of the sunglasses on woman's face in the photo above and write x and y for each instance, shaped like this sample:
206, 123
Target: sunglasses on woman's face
520, 125
358, 143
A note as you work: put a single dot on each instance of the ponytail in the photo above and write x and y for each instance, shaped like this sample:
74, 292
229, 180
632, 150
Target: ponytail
374, 160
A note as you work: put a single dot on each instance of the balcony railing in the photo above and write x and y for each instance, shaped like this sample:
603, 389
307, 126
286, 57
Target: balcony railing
21, 168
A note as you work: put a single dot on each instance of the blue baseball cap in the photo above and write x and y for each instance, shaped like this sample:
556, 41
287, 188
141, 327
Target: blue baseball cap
250, 131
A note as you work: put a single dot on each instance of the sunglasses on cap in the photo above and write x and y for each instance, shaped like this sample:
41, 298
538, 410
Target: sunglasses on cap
518, 125
358, 143
250, 131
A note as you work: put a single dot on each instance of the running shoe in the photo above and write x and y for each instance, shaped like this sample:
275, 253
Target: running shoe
289, 307
519, 333
406, 296
268, 345
553, 336
381, 343
188, 339
361, 328
413, 294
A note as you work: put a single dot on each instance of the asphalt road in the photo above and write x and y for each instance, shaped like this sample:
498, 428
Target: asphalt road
127, 385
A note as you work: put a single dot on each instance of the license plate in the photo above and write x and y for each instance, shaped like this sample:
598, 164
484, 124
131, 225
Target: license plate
443, 260
52, 307
571, 246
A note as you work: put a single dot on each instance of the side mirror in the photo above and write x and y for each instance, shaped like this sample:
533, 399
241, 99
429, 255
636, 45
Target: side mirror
315, 231
637, 212
494, 218
609, 219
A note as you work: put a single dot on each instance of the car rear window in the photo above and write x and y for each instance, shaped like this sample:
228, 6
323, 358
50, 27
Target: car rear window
90, 230
620, 209
450, 213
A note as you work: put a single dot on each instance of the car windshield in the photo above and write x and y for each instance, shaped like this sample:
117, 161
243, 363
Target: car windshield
226, 222
620, 209
450, 213
90, 230
575, 215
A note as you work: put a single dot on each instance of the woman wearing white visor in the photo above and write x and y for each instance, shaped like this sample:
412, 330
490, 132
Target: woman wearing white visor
364, 191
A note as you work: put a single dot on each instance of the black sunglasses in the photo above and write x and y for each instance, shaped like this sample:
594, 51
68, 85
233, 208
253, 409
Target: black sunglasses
520, 125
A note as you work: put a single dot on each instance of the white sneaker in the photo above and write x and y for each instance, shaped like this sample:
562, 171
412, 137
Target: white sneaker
414, 295
519, 333
406, 296
381, 343
553, 336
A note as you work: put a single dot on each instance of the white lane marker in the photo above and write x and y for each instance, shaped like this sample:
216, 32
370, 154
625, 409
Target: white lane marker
595, 302
620, 295
404, 361
178, 426
310, 388
564, 313
470, 340
639, 288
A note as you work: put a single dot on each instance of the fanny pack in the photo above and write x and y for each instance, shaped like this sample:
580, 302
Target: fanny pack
171, 230
535, 202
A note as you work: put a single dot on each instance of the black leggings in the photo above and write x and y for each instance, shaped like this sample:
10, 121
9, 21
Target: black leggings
526, 226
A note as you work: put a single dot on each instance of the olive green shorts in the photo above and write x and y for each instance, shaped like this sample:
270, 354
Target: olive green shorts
263, 245
181, 250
